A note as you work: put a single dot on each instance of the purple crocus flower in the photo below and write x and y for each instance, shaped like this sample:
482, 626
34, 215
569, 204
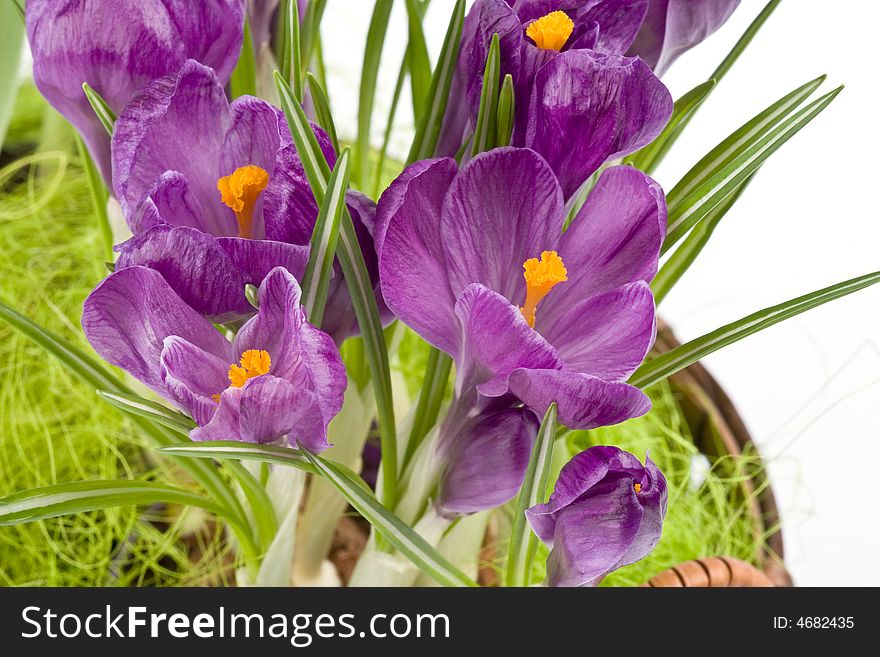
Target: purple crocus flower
216, 196
116, 46
580, 102
280, 379
606, 512
476, 262
672, 27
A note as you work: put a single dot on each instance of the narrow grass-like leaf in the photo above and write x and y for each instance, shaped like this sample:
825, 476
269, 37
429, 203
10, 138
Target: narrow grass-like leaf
311, 32
360, 287
102, 110
651, 155
683, 257
157, 413
98, 377
322, 110
19, 9
389, 124
418, 62
719, 73
325, 236
98, 192
685, 214
486, 129
243, 81
399, 534
741, 138
506, 112
291, 47
677, 359
367, 96
437, 371
224, 450
523, 543
428, 128
85, 496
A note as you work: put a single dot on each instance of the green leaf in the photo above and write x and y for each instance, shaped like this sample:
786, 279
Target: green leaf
102, 110
682, 258
651, 155
156, 413
506, 112
243, 81
679, 358
360, 287
743, 137
684, 214
227, 449
428, 128
408, 542
369, 75
418, 62
291, 48
98, 377
11, 39
523, 543
322, 110
311, 30
719, 73
98, 192
431, 395
325, 236
487, 118
85, 496
389, 124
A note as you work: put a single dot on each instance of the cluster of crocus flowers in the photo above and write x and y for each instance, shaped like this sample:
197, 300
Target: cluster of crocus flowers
475, 257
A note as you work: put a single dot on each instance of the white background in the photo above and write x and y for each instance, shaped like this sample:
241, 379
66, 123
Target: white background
809, 389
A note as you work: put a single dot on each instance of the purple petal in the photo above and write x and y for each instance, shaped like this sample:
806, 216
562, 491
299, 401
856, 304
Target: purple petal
619, 22
169, 202
615, 239
412, 263
672, 27
503, 208
299, 353
194, 376
129, 315
487, 462
265, 410
175, 123
585, 402
117, 46
589, 108
195, 266
608, 335
254, 259
496, 340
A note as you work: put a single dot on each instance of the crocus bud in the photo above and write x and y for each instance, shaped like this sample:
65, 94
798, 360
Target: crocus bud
606, 512
487, 461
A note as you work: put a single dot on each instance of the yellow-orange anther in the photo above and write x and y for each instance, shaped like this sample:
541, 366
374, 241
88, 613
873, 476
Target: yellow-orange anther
254, 362
541, 277
240, 191
637, 488
550, 32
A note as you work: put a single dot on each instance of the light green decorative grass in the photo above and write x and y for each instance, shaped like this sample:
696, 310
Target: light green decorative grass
52, 428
